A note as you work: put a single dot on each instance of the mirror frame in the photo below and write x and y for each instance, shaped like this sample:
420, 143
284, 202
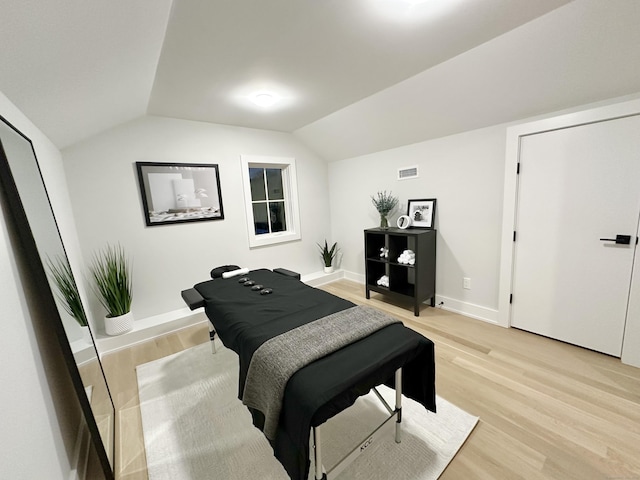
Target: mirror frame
46, 297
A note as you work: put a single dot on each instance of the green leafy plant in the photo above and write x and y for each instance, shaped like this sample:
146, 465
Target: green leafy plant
112, 274
68, 294
328, 254
384, 202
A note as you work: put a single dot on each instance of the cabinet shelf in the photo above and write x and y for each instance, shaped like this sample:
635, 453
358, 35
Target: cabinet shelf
401, 265
417, 281
390, 263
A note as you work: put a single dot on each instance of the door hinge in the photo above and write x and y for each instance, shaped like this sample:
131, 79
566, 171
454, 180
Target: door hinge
514, 235
511, 298
518, 169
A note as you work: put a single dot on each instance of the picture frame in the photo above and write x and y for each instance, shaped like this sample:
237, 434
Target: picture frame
422, 212
179, 192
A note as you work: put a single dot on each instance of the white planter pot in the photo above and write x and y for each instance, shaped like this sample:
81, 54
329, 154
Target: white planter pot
328, 269
118, 325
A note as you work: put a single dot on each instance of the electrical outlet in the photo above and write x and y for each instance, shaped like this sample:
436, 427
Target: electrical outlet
466, 283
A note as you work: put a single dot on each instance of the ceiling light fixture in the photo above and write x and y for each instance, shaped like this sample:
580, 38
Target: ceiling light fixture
264, 99
412, 11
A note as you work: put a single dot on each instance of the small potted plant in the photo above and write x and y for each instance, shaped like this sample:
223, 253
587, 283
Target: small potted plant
111, 271
328, 254
68, 294
384, 203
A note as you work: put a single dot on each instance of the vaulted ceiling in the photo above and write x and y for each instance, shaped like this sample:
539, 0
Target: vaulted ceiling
355, 76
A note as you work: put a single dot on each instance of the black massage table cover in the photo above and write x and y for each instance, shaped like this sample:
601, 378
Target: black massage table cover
244, 320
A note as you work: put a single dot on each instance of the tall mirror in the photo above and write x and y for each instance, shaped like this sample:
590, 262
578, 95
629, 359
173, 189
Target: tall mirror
27, 195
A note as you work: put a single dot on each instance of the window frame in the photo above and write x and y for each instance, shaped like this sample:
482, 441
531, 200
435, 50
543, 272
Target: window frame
290, 189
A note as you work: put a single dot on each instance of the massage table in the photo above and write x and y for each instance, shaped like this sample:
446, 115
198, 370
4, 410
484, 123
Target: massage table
394, 355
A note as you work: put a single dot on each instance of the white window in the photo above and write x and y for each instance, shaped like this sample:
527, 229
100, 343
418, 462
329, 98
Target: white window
271, 199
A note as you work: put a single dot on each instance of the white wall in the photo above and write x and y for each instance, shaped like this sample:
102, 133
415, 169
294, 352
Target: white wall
35, 436
104, 190
465, 174
582, 52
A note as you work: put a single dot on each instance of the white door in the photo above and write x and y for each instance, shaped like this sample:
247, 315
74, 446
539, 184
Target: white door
577, 186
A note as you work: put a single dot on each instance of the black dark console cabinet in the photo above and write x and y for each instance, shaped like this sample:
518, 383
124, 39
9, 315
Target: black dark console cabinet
416, 281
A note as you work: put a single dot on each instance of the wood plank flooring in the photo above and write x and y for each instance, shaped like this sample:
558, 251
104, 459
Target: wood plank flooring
547, 410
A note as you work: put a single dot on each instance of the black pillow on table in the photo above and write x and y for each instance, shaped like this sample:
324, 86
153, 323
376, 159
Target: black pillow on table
218, 271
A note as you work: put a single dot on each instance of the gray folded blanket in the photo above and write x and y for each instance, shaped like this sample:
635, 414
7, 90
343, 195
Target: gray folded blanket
276, 360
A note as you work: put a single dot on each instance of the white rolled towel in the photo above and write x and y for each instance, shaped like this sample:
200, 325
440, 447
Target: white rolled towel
235, 273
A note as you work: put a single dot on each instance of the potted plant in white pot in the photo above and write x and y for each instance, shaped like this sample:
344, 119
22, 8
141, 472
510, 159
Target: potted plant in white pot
111, 271
328, 254
68, 294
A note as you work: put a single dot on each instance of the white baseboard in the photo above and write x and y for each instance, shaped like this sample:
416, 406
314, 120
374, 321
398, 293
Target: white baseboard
320, 278
478, 312
83, 352
471, 310
355, 277
151, 327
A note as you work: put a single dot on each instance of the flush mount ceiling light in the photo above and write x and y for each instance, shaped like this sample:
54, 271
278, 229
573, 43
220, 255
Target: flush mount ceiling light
264, 99
415, 12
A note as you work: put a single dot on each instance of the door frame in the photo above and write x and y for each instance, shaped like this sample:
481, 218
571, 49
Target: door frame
631, 341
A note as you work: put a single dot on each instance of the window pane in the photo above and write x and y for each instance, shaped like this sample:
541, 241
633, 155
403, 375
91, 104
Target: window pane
274, 184
260, 218
278, 220
256, 177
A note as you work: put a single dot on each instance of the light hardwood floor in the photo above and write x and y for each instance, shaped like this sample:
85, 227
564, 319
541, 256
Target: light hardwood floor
547, 410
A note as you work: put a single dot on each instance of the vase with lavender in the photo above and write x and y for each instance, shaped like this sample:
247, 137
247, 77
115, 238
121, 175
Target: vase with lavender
384, 203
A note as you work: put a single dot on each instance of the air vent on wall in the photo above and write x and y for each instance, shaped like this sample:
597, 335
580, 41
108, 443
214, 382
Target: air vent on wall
406, 173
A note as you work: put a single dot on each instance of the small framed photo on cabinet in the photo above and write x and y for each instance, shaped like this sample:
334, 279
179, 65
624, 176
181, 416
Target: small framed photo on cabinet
422, 212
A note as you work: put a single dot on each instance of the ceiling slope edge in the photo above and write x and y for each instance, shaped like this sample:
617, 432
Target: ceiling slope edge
558, 61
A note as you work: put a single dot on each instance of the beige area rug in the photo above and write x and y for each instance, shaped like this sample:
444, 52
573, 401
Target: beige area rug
195, 428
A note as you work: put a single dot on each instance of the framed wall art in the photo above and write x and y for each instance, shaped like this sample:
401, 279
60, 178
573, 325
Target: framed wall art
179, 192
422, 212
